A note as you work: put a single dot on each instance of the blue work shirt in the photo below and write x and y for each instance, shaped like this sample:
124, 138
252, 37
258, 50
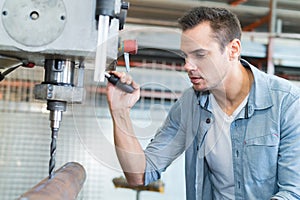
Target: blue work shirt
265, 139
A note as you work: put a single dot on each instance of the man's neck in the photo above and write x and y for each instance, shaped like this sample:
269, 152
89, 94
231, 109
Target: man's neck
234, 90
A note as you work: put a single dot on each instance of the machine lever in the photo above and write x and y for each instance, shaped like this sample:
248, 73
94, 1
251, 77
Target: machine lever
116, 81
18, 63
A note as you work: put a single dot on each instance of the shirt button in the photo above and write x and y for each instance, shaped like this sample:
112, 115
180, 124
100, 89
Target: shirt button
208, 120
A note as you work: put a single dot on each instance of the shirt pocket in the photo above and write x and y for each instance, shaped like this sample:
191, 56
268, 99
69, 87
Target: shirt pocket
262, 155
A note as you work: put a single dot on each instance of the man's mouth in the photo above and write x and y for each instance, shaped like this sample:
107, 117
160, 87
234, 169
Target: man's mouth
195, 79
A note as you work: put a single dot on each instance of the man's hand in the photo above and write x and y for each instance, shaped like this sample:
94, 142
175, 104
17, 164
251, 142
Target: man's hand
118, 99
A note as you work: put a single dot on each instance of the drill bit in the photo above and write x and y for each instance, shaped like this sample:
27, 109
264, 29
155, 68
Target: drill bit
52, 152
56, 108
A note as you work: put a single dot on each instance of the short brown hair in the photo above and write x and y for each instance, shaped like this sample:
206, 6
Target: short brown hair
224, 23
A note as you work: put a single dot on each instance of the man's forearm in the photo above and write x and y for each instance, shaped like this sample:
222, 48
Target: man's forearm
129, 151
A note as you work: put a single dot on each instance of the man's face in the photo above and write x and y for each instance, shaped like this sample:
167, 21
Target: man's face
205, 64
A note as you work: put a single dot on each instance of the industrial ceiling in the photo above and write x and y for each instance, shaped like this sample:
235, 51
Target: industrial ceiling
271, 31
255, 15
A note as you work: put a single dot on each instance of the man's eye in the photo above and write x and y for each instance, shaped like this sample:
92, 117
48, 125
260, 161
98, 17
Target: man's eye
199, 54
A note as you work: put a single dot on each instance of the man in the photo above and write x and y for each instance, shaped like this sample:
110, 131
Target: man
239, 127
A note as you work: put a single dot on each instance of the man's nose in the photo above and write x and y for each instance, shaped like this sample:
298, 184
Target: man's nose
188, 65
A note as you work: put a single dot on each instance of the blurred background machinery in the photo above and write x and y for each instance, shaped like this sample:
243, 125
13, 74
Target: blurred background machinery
156, 186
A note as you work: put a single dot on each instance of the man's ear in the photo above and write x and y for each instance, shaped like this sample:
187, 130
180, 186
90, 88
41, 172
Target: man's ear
234, 49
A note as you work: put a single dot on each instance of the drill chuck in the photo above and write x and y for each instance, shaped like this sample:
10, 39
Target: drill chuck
55, 118
56, 109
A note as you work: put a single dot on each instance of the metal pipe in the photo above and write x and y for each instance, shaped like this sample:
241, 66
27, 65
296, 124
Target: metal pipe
138, 194
273, 16
272, 24
65, 184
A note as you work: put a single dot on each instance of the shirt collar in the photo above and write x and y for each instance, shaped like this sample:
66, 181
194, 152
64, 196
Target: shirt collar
259, 97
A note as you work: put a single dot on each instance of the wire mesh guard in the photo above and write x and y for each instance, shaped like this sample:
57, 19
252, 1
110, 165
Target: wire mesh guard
25, 133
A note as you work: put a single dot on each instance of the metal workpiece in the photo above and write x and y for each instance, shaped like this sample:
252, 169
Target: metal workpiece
65, 184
